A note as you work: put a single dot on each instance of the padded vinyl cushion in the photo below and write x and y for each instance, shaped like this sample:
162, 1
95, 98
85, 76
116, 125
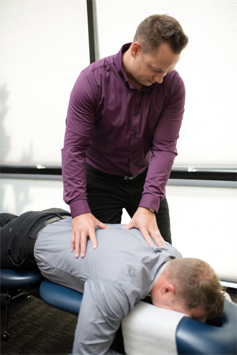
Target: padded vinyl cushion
20, 278
60, 297
193, 337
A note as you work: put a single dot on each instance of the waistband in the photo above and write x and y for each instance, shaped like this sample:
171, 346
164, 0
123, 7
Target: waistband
34, 235
115, 177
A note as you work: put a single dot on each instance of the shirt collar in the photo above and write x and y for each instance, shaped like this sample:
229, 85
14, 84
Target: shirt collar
118, 62
157, 276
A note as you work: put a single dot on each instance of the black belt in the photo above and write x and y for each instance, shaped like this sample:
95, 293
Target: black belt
34, 235
116, 177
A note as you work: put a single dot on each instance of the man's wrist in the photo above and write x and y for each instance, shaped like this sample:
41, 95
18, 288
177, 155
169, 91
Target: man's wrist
149, 202
147, 208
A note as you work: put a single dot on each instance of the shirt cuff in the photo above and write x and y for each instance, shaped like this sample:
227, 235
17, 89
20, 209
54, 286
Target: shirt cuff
150, 202
79, 207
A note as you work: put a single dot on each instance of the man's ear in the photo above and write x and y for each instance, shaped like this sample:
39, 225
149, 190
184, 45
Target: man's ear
167, 288
162, 293
135, 49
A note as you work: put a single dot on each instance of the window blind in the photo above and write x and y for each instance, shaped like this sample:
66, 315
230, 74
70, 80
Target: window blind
44, 46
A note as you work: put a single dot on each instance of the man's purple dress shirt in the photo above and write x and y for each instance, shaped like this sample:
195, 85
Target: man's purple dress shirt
120, 130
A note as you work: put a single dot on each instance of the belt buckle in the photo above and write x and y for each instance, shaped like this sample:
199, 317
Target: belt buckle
128, 177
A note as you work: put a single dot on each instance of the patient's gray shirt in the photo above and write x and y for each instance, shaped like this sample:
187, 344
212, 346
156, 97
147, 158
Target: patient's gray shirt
113, 277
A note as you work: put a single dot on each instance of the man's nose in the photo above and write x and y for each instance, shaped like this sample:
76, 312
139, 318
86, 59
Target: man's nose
159, 77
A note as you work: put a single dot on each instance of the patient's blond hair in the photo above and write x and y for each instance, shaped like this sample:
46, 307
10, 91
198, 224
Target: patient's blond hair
197, 284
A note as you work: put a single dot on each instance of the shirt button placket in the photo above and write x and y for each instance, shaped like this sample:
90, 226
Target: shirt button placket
135, 130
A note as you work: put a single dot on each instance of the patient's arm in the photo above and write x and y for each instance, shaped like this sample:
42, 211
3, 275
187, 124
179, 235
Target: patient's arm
103, 307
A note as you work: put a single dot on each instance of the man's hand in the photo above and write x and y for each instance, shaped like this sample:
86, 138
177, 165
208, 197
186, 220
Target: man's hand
145, 221
83, 226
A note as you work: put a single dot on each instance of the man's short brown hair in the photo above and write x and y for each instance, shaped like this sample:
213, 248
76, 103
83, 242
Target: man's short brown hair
158, 29
197, 284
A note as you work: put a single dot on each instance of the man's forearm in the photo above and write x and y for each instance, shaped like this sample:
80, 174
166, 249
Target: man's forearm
74, 182
156, 180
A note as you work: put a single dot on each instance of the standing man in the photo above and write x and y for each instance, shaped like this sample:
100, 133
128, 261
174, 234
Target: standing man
122, 126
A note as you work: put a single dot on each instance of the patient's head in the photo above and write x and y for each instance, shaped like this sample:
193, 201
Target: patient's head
190, 286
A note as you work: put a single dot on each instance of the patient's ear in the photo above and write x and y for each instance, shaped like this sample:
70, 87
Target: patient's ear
167, 288
162, 294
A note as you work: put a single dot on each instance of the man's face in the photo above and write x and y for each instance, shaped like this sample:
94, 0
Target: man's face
195, 313
148, 68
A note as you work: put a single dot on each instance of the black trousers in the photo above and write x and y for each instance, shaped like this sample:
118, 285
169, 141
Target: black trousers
108, 195
15, 233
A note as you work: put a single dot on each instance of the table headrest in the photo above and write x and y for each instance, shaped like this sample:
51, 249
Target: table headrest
150, 330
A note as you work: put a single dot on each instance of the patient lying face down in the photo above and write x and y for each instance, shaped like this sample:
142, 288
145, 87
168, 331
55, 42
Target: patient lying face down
113, 278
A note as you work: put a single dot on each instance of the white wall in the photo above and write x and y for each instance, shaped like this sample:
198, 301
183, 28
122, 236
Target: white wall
19, 196
204, 225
